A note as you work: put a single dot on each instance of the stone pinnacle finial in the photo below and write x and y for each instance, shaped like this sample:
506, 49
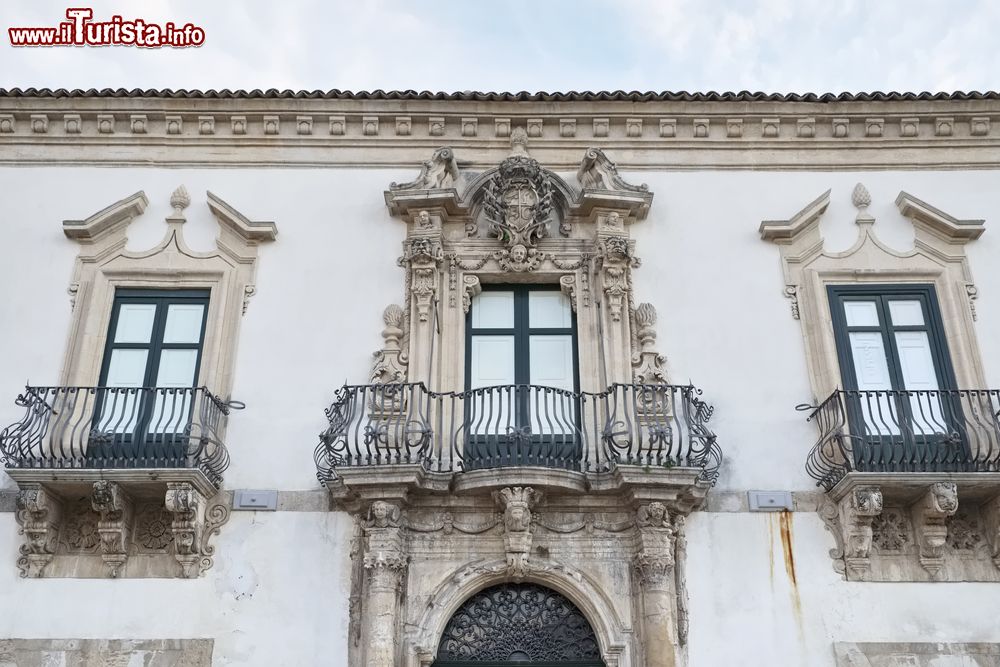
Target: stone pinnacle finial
862, 199
180, 200
519, 141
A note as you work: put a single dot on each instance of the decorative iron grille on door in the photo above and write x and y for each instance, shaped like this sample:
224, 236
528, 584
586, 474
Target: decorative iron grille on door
524, 624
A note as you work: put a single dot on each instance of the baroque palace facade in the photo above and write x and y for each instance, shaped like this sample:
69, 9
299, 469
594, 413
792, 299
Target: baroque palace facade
658, 379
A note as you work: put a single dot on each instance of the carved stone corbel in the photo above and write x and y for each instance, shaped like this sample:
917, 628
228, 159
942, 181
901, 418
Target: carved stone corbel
655, 559
929, 514
850, 521
188, 509
517, 503
39, 513
389, 367
385, 562
991, 527
471, 288
115, 526
567, 284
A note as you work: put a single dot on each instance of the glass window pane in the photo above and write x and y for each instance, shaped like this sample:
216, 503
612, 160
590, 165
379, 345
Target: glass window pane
183, 323
870, 365
552, 361
916, 361
906, 313
127, 368
491, 412
135, 322
549, 310
492, 361
861, 313
493, 310
177, 368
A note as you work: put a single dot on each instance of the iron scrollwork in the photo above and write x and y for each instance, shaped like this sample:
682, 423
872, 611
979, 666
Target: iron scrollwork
518, 623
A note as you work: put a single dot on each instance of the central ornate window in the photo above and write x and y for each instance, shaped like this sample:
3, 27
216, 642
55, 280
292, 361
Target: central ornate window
518, 399
521, 375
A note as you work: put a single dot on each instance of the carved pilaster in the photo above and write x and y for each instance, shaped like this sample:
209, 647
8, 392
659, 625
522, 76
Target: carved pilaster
929, 514
850, 521
680, 577
517, 503
654, 564
188, 509
385, 562
115, 507
991, 527
39, 513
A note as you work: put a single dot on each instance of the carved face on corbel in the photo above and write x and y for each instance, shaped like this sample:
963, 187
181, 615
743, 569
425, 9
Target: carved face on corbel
383, 515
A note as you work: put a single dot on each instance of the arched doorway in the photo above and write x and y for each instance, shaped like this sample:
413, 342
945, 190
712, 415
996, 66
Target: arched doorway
521, 624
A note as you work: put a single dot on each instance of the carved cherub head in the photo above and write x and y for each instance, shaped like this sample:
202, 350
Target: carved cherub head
517, 502
518, 253
653, 515
383, 515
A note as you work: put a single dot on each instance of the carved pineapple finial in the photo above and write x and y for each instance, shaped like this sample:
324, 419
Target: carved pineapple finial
862, 199
180, 200
645, 315
392, 315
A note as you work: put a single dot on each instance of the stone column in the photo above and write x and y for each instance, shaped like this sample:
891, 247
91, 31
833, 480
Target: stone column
385, 563
655, 566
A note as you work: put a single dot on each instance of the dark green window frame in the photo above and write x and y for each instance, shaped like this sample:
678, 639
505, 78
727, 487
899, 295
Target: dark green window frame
522, 332
162, 299
882, 294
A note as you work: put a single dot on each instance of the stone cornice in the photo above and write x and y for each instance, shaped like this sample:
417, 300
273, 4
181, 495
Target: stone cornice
932, 132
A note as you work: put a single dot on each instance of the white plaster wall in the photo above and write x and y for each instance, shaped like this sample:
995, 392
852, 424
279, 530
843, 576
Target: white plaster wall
277, 595
746, 608
278, 592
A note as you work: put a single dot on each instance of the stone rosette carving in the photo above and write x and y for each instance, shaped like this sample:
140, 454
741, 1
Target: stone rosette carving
517, 503
964, 531
152, 529
890, 530
79, 530
990, 515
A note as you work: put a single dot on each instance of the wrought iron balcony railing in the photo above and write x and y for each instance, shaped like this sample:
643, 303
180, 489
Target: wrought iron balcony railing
518, 425
905, 431
118, 428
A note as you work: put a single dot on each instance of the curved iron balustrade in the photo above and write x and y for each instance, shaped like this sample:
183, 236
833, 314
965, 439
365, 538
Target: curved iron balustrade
905, 431
518, 425
119, 427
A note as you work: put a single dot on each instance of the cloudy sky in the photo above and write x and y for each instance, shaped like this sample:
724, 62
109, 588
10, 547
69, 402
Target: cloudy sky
769, 45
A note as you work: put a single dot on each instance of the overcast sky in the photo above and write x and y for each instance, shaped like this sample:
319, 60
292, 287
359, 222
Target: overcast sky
769, 45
